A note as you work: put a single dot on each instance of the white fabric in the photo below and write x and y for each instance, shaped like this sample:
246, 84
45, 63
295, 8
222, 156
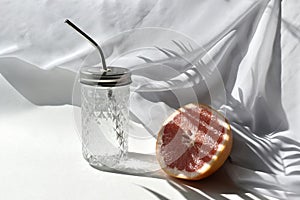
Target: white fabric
251, 58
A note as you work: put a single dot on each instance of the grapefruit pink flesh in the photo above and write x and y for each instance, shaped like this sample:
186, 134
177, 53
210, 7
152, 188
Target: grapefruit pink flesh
194, 142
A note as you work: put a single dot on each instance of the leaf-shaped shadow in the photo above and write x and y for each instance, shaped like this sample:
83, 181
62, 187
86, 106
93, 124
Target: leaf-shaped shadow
291, 150
189, 67
217, 186
158, 195
262, 150
185, 191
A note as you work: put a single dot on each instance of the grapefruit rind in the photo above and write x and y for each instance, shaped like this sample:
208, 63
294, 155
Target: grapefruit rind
208, 168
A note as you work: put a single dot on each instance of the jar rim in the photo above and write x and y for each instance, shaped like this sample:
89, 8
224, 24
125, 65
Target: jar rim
112, 77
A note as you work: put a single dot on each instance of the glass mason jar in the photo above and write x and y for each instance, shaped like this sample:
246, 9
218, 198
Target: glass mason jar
105, 114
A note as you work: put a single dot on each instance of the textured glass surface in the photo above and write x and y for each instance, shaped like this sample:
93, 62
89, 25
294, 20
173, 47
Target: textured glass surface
104, 124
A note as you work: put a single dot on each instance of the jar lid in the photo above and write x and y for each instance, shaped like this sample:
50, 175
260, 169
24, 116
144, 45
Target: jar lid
112, 77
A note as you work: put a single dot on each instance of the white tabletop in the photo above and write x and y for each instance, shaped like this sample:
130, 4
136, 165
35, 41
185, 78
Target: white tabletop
40, 156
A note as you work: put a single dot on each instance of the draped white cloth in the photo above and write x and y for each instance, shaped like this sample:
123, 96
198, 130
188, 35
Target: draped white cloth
241, 57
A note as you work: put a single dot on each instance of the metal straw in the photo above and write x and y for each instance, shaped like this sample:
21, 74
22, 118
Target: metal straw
89, 39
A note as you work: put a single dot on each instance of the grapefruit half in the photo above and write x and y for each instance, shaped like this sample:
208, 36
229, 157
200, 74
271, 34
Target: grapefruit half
194, 142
